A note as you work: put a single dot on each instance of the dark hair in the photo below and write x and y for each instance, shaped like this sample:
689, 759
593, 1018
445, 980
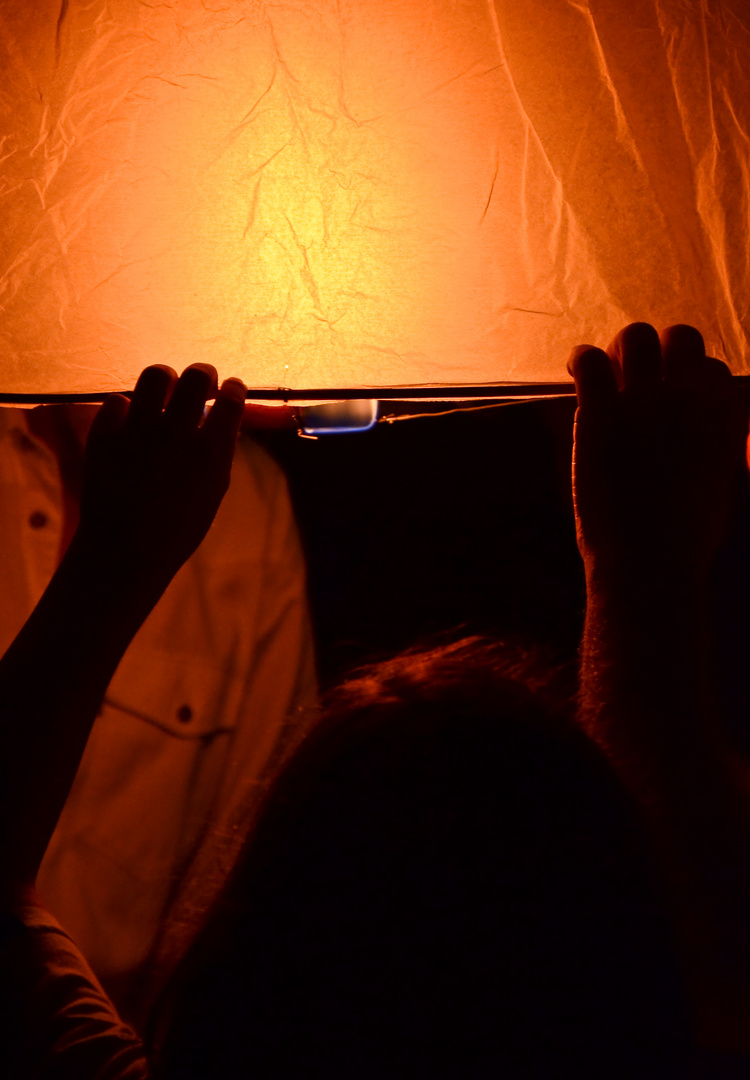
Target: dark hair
445, 880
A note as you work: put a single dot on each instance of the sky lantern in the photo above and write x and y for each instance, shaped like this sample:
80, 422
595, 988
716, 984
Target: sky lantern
366, 193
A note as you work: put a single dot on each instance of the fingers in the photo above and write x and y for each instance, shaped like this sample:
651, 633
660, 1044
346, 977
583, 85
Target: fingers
222, 424
184, 410
637, 351
685, 360
684, 354
596, 382
152, 391
681, 342
645, 359
178, 405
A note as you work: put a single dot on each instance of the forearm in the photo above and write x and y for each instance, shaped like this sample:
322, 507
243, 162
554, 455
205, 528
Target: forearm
52, 681
156, 471
646, 697
56, 1018
645, 677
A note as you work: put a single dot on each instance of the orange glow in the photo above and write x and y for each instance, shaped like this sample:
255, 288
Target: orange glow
366, 192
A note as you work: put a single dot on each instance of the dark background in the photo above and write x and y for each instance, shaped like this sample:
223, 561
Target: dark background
439, 523
463, 523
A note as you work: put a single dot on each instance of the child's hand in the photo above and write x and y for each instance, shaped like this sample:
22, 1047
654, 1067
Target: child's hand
156, 471
654, 461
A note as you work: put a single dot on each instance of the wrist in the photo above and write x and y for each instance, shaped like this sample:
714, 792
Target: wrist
647, 578
112, 591
113, 572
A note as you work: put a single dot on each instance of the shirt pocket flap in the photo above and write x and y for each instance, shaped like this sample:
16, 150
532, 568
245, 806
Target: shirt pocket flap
188, 697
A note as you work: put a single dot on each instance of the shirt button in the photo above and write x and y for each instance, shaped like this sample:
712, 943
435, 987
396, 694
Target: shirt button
38, 519
184, 714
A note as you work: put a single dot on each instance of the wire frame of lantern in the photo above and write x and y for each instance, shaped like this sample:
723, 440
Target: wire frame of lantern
366, 197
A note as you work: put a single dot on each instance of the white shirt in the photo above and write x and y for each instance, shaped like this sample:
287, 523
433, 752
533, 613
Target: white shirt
195, 715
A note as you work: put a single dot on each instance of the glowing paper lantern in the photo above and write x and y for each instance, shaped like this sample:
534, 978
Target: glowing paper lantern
366, 192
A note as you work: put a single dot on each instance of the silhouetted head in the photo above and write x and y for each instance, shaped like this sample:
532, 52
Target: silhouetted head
445, 880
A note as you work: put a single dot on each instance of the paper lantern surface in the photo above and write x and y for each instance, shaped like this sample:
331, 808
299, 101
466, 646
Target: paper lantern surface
366, 192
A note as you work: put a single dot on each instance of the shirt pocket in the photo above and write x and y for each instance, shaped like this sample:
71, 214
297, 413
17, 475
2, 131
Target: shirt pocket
187, 697
143, 803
